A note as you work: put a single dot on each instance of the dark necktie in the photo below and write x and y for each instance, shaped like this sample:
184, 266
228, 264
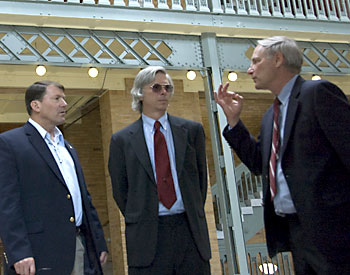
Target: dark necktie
274, 148
165, 184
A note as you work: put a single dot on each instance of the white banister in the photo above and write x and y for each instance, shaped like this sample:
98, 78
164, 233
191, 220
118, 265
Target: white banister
228, 6
252, 7
309, 12
134, 3
298, 9
343, 9
320, 10
286, 9
264, 4
119, 3
104, 2
276, 8
216, 6
203, 5
330, 9
190, 5
240, 7
162, 4
89, 2
176, 5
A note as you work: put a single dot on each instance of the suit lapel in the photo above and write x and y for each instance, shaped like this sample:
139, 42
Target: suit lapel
41, 147
138, 143
180, 142
291, 112
74, 156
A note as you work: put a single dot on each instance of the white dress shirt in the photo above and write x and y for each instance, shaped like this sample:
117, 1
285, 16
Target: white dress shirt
66, 165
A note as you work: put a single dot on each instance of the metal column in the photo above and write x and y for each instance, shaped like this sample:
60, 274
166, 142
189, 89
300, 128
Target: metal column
224, 166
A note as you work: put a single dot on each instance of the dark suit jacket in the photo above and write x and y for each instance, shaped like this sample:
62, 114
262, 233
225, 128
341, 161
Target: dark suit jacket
135, 190
35, 208
316, 163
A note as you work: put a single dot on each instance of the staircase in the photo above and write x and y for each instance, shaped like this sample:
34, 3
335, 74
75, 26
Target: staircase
249, 189
250, 195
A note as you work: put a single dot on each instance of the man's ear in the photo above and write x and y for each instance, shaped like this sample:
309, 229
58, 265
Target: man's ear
35, 104
279, 59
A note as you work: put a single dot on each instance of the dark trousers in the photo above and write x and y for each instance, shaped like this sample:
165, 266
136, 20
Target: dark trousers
306, 257
176, 252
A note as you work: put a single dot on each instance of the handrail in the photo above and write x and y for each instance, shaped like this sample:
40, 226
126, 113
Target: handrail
330, 10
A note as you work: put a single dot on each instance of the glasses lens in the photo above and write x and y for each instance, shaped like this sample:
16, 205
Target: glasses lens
157, 88
168, 88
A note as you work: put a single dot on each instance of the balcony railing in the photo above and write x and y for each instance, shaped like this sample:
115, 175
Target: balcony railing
330, 10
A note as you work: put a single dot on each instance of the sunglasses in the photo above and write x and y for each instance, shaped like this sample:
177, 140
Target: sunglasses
157, 88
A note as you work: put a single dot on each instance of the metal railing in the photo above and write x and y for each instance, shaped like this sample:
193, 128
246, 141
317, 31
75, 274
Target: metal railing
249, 185
330, 10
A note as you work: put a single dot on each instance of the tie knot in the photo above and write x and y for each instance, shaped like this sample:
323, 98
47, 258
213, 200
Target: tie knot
157, 125
277, 101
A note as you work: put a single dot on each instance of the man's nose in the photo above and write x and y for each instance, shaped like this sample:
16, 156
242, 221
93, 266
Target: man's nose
64, 102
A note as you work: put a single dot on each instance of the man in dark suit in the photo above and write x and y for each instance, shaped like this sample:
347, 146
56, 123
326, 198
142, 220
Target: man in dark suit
161, 197
48, 222
304, 162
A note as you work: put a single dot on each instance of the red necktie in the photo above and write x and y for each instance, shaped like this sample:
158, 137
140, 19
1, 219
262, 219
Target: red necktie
274, 148
165, 184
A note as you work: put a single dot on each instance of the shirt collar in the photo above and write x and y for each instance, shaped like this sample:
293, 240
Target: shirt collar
287, 90
149, 122
58, 136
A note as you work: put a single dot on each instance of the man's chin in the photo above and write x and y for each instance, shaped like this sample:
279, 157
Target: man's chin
61, 122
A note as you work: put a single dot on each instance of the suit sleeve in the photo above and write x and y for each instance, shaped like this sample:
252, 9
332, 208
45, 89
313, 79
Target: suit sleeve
98, 230
117, 172
245, 146
13, 231
201, 161
333, 113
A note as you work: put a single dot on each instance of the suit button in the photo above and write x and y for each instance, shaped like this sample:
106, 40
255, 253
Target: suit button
68, 196
71, 219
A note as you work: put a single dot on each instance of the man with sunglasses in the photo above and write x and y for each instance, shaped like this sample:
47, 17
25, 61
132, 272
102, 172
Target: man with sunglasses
158, 170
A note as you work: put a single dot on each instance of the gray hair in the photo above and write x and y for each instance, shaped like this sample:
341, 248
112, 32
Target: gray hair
144, 77
288, 47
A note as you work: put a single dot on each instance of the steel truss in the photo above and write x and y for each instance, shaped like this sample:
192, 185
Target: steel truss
76, 47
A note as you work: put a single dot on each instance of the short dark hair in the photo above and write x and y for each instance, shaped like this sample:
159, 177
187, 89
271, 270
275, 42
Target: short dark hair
37, 90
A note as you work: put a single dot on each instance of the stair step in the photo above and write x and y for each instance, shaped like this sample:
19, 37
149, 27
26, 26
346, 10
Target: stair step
256, 202
247, 210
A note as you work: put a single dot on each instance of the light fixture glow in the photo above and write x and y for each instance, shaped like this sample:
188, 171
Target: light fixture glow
232, 76
40, 70
316, 77
268, 268
191, 75
93, 72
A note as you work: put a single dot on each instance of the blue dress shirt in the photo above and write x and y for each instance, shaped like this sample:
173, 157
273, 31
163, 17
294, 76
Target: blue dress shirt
283, 201
148, 129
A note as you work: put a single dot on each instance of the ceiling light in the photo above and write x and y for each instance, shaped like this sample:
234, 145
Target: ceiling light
40, 70
268, 268
316, 77
93, 72
191, 75
232, 76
